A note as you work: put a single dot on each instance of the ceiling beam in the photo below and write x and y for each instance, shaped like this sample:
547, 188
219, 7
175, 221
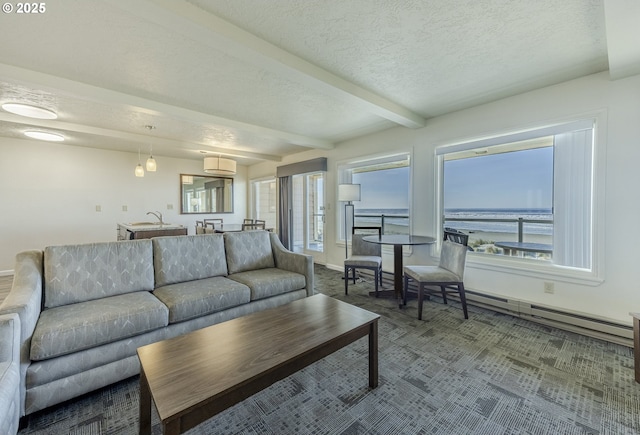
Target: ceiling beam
61, 127
74, 89
623, 33
206, 28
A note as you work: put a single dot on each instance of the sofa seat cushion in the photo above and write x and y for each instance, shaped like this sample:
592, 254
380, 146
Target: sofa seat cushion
71, 328
269, 282
191, 299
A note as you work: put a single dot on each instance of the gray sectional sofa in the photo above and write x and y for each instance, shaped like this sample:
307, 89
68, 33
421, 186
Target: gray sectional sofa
85, 309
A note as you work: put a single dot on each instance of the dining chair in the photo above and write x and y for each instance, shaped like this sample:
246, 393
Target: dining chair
199, 227
456, 236
448, 275
252, 226
364, 255
214, 221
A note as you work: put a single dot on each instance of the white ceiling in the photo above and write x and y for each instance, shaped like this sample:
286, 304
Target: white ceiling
259, 79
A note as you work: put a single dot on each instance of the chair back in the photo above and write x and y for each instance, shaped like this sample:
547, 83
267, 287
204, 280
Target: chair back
456, 236
453, 257
253, 226
247, 221
199, 227
360, 247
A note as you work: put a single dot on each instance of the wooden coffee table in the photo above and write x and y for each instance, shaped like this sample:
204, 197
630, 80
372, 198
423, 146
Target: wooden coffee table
197, 375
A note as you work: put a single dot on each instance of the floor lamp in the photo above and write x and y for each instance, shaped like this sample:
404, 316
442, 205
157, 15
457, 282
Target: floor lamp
348, 193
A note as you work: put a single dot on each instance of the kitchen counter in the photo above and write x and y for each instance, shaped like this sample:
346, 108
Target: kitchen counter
146, 230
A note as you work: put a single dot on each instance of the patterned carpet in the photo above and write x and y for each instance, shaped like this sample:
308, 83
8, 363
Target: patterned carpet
492, 374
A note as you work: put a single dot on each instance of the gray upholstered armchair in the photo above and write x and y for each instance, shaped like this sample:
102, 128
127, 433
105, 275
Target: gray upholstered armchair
9, 373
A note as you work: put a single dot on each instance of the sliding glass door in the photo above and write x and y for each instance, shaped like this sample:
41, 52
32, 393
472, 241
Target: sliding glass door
308, 215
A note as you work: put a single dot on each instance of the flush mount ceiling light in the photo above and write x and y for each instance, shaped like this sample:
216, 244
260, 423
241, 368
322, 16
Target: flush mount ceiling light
219, 166
29, 111
44, 135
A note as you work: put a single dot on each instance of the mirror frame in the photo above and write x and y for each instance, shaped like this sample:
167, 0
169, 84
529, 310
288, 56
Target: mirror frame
204, 177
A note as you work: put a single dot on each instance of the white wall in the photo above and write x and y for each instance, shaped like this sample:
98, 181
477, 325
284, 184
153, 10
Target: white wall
619, 293
49, 193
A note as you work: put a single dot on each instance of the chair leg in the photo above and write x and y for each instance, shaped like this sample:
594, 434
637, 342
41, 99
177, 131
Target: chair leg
353, 274
405, 287
346, 280
375, 274
420, 298
463, 299
444, 294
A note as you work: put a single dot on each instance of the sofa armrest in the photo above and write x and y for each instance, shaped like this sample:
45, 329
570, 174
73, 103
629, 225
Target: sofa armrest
25, 299
9, 337
9, 373
293, 262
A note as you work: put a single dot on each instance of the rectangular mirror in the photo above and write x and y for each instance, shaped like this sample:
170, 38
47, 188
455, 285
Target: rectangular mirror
205, 194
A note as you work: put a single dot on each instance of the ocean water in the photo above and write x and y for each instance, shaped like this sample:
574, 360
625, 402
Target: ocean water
500, 227
470, 213
392, 216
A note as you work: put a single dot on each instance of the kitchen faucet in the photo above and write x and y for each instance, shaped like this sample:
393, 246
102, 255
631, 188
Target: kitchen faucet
158, 215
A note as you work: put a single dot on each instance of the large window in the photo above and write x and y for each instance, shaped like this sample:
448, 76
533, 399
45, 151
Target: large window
384, 198
527, 195
264, 201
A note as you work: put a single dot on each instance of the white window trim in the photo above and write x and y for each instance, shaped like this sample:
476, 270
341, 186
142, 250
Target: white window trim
251, 209
355, 162
539, 269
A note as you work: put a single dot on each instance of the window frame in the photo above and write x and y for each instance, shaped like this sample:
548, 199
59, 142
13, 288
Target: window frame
344, 175
253, 209
531, 267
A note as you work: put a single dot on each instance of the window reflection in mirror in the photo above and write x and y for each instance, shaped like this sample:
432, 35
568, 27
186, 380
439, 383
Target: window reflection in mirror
205, 194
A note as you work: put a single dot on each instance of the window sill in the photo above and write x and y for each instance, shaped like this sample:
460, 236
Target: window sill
533, 268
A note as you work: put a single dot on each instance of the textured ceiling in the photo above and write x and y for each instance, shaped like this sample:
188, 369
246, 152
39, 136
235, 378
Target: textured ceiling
259, 80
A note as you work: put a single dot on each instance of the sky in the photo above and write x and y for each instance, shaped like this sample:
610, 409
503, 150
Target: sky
387, 188
522, 179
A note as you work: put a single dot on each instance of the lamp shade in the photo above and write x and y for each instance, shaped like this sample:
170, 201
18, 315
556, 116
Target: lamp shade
151, 164
219, 166
348, 192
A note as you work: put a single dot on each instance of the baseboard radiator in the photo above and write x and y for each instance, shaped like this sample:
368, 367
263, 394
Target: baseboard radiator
569, 321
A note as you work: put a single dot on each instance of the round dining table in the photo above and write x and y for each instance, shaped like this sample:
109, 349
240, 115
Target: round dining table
398, 241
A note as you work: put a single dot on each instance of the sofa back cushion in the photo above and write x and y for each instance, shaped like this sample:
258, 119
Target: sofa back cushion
79, 273
248, 250
187, 258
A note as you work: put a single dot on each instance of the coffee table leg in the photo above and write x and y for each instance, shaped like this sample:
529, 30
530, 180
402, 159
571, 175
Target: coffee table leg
373, 354
145, 405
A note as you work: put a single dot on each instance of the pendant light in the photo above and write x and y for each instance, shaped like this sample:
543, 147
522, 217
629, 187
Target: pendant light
139, 169
219, 166
151, 162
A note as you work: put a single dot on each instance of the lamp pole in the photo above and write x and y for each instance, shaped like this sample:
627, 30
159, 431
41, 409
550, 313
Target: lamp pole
348, 193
